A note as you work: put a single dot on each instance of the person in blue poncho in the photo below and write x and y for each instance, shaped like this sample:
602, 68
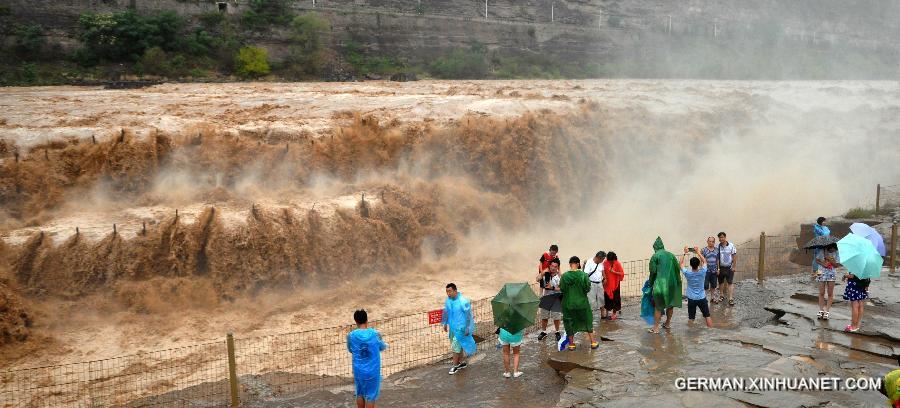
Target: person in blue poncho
460, 325
820, 230
365, 345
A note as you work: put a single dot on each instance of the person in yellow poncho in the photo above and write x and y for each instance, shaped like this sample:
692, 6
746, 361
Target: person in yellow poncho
665, 282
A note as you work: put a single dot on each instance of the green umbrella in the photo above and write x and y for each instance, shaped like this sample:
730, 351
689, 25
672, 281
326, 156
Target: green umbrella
859, 256
514, 307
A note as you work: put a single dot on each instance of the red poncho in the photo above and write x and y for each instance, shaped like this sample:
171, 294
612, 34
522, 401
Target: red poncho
613, 273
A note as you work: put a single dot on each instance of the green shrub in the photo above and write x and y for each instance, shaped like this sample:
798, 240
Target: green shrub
124, 36
461, 64
28, 73
264, 13
251, 62
211, 19
310, 35
859, 212
29, 41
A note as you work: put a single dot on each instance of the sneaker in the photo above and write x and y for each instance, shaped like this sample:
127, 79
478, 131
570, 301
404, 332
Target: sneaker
558, 336
825, 316
542, 336
507, 375
517, 374
731, 302
571, 347
454, 369
819, 315
462, 365
595, 345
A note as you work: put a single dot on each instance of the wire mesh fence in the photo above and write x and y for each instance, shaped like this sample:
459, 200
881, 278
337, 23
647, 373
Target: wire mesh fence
293, 363
198, 371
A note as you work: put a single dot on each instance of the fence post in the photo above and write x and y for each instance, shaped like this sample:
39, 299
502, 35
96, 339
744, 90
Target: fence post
761, 272
232, 371
893, 262
877, 199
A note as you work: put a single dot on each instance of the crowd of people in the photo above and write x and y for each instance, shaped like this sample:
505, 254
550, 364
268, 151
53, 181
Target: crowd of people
570, 299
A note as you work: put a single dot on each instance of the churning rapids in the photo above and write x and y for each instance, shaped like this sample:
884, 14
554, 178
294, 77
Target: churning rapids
300, 202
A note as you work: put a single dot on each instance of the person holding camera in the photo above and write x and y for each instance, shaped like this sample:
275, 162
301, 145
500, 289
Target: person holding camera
695, 276
549, 281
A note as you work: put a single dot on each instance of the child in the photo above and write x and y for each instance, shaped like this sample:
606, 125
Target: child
513, 343
577, 314
366, 346
856, 291
695, 277
825, 276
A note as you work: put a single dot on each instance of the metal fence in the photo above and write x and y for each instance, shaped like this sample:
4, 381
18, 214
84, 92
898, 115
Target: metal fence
293, 363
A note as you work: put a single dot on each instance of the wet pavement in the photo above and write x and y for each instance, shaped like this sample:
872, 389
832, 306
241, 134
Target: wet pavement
481, 384
771, 332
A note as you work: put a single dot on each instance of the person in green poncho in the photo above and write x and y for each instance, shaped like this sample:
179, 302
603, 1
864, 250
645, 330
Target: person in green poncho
665, 282
576, 309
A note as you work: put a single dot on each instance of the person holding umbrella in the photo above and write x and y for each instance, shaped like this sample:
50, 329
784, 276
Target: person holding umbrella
819, 230
825, 249
459, 323
826, 258
514, 309
863, 263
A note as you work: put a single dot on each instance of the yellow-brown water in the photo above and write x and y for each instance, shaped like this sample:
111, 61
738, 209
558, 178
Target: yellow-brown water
463, 181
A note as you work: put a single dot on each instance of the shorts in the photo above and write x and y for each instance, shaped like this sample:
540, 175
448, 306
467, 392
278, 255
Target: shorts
511, 344
827, 275
595, 296
613, 303
726, 273
703, 304
545, 314
368, 389
455, 346
711, 281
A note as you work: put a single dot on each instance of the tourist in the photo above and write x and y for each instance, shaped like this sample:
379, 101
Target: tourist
727, 262
819, 230
512, 343
711, 254
547, 257
613, 274
365, 345
856, 291
549, 282
460, 324
695, 276
594, 269
825, 276
577, 315
665, 283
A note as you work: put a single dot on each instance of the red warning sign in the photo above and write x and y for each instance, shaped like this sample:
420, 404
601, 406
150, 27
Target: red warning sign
435, 316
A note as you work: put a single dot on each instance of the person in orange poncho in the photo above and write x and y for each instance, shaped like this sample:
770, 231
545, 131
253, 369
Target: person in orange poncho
613, 273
